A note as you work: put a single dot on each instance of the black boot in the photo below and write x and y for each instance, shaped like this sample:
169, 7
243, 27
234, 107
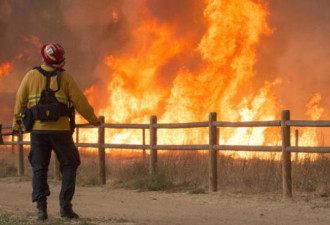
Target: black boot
42, 210
42, 214
68, 213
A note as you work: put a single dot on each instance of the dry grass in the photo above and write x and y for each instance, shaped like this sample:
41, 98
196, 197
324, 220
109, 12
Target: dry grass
9, 160
188, 171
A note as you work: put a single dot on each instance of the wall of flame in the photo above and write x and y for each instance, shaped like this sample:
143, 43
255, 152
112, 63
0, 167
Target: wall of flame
178, 60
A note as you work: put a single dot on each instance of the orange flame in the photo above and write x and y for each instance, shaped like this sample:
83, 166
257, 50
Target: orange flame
5, 68
114, 16
226, 55
88, 94
314, 111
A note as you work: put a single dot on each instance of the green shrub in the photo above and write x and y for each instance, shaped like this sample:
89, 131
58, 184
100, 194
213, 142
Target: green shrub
197, 191
160, 181
8, 219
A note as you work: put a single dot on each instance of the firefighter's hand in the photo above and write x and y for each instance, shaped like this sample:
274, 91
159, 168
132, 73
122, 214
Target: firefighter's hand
19, 131
98, 123
16, 132
17, 128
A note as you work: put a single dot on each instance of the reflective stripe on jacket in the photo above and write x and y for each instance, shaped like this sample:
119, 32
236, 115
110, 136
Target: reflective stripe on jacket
34, 83
34, 99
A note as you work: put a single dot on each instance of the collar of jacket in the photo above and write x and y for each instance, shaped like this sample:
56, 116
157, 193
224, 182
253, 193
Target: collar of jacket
47, 68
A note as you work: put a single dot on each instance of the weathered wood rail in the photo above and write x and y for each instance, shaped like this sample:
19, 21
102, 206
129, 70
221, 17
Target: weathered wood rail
213, 146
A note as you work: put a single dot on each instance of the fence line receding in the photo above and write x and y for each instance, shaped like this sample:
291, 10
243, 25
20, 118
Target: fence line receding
213, 146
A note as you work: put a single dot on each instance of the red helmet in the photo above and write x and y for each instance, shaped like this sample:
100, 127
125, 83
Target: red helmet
53, 55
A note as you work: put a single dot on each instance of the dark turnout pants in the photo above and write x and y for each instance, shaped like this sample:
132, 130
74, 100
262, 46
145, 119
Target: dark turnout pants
42, 143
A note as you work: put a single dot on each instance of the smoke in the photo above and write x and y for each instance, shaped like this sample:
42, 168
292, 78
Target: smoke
84, 28
296, 52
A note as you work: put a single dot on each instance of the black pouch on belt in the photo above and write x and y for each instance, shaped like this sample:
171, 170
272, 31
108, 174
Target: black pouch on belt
27, 119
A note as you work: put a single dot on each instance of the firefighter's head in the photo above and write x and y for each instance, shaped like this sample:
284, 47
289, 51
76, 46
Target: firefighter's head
53, 55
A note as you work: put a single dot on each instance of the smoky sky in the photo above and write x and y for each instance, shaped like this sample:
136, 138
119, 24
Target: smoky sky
297, 51
85, 29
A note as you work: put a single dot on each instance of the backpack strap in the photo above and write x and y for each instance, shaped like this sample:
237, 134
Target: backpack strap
49, 74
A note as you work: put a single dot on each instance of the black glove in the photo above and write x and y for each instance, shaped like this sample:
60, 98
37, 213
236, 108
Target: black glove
98, 123
17, 128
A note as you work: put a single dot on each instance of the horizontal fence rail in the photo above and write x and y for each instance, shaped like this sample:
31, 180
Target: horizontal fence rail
275, 123
248, 148
181, 147
181, 125
127, 126
212, 147
309, 149
17, 143
308, 123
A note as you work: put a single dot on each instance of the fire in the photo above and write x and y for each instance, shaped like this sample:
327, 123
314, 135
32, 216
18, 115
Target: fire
220, 78
314, 112
88, 93
114, 16
5, 68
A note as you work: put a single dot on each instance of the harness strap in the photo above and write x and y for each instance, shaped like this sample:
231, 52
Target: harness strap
49, 74
48, 83
58, 79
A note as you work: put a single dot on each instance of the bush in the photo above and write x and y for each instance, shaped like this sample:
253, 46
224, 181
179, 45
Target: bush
160, 181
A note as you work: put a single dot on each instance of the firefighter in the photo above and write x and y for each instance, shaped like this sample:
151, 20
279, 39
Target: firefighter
43, 100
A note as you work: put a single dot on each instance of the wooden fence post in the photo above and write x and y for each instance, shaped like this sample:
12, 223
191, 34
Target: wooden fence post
153, 142
144, 156
297, 141
77, 134
13, 146
286, 156
213, 184
101, 137
57, 174
20, 168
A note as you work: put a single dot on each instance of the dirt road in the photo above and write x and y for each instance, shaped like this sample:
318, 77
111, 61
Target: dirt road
106, 205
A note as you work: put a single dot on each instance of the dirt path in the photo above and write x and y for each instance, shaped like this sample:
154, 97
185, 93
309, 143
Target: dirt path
105, 205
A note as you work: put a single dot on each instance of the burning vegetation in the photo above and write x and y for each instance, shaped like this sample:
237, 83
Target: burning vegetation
178, 60
5, 68
182, 76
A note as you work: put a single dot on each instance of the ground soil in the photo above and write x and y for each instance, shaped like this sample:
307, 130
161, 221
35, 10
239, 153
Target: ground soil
109, 205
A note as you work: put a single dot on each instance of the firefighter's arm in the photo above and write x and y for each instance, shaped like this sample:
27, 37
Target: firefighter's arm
80, 102
20, 103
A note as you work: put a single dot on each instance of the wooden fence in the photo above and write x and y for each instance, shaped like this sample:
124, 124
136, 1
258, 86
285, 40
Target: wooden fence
213, 146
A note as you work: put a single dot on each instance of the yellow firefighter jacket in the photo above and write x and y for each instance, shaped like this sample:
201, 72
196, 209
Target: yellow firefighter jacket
29, 93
